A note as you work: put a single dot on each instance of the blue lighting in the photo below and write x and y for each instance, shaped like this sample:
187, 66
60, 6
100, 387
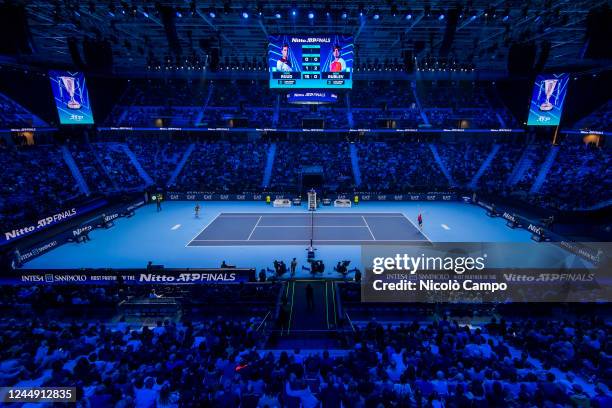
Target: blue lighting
144, 13
408, 16
311, 15
505, 18
278, 15
293, 12
441, 17
179, 14
376, 16
212, 14
344, 15
245, 14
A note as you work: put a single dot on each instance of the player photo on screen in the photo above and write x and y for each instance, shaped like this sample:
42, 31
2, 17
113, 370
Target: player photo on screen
547, 100
284, 64
311, 62
71, 98
338, 64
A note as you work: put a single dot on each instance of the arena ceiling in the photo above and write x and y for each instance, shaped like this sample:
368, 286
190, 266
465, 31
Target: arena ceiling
382, 29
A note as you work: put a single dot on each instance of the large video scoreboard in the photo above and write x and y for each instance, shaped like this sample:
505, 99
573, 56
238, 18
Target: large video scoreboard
311, 62
547, 100
71, 98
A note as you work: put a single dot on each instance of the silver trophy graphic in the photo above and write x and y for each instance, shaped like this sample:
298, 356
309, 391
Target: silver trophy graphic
69, 84
549, 87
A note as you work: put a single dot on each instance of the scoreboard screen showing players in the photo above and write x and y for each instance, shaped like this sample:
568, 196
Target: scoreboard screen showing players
71, 98
311, 61
547, 100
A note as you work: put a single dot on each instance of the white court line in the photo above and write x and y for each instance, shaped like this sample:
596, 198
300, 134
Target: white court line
199, 232
253, 230
307, 239
383, 216
308, 226
248, 215
446, 227
177, 226
367, 225
417, 228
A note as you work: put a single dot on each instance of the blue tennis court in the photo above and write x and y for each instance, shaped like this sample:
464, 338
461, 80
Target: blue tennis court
175, 238
297, 229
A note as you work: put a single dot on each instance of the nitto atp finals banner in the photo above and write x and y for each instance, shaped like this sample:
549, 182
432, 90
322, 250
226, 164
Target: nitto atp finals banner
71, 98
547, 100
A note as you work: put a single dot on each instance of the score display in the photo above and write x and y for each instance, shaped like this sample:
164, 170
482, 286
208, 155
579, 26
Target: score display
311, 62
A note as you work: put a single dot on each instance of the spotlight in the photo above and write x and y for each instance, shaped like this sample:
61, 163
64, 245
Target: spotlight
144, 13
408, 16
212, 13
344, 14
245, 14
441, 17
311, 14
293, 12
277, 15
178, 13
376, 15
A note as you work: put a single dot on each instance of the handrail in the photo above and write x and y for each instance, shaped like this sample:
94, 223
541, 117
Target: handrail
262, 322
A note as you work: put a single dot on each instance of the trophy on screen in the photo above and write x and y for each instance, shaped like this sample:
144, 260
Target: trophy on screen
549, 87
69, 84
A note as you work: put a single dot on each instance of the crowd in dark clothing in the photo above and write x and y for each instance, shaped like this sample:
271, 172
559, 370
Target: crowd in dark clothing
218, 363
35, 182
332, 159
579, 177
224, 167
222, 103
